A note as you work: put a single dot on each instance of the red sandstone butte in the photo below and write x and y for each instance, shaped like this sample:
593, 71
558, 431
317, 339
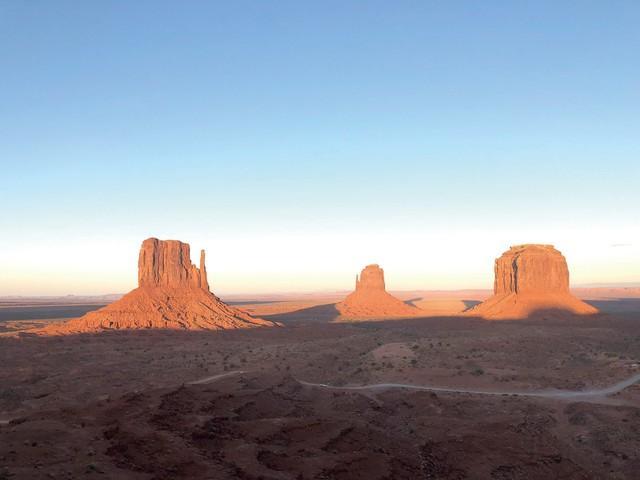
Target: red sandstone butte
531, 280
172, 293
371, 300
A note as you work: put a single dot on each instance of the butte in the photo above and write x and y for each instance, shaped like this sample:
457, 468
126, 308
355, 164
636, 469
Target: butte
371, 300
172, 293
531, 280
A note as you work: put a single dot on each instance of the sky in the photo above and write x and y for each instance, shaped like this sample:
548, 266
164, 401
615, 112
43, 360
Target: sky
298, 142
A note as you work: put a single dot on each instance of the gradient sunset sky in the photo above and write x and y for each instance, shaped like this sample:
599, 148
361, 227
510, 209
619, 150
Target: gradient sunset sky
299, 141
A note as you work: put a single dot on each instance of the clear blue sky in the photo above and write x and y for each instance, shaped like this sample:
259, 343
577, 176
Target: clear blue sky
293, 137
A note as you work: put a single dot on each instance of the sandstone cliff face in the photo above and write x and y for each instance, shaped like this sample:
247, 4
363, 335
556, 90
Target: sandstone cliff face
172, 293
371, 300
531, 269
531, 280
371, 279
167, 263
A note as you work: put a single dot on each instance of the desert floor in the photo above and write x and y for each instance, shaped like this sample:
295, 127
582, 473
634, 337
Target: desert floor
240, 404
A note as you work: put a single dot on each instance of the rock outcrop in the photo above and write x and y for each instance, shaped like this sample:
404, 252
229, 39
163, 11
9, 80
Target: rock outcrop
371, 300
167, 263
172, 293
531, 280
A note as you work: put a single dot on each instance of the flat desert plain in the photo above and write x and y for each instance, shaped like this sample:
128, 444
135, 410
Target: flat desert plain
443, 396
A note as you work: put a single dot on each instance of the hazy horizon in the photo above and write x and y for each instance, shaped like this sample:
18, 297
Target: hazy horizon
297, 143
320, 292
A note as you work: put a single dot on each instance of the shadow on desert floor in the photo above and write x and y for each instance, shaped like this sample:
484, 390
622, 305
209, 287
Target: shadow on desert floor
625, 309
39, 312
252, 302
616, 305
411, 301
470, 303
416, 301
326, 313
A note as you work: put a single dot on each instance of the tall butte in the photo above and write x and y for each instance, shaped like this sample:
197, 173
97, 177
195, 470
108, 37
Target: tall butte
371, 300
531, 280
172, 293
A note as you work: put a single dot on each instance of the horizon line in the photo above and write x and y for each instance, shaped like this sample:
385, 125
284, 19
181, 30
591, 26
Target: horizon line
335, 292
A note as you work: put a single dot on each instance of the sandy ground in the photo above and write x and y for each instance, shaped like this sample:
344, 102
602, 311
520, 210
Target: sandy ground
234, 404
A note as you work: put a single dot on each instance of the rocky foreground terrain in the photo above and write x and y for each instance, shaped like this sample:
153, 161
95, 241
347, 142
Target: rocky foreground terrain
233, 404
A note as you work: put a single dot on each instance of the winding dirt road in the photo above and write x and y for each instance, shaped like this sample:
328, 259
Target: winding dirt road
213, 378
595, 395
591, 394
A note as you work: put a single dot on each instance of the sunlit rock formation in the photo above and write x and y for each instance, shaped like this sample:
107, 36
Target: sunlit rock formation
172, 293
167, 263
371, 300
531, 280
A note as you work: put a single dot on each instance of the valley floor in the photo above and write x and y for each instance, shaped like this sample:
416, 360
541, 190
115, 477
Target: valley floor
242, 404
